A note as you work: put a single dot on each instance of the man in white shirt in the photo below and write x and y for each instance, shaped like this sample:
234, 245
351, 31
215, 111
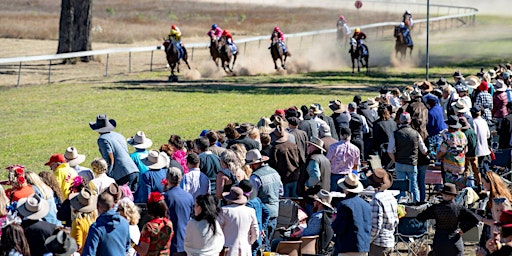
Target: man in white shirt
195, 182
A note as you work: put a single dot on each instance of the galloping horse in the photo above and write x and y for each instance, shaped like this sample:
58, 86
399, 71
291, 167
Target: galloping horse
214, 50
359, 54
226, 55
276, 50
173, 59
400, 44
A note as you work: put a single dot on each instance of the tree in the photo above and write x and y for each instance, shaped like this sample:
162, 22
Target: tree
75, 28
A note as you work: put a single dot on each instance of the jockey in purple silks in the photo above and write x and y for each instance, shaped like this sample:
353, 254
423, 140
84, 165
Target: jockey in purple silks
280, 36
215, 32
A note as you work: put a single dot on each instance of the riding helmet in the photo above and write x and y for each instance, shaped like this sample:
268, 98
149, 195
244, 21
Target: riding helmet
342, 17
214, 26
357, 30
173, 26
276, 28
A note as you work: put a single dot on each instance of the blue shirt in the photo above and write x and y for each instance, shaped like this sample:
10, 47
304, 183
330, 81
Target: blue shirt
196, 183
151, 181
109, 235
435, 123
353, 225
180, 205
137, 157
262, 213
314, 224
115, 143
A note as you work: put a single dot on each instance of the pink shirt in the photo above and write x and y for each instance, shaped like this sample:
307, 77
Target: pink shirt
343, 156
215, 32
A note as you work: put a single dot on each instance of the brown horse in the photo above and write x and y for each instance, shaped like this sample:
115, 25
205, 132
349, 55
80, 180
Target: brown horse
173, 59
400, 44
227, 57
214, 50
359, 54
277, 52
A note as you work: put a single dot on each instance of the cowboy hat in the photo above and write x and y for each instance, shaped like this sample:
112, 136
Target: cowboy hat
316, 109
265, 129
425, 86
449, 189
405, 96
245, 128
457, 74
61, 244
33, 207
473, 81
315, 141
336, 106
381, 179
453, 122
372, 103
415, 93
72, 156
351, 184
492, 73
155, 160
442, 82
103, 124
140, 140
500, 86
115, 191
281, 133
254, 156
235, 195
324, 197
460, 106
84, 201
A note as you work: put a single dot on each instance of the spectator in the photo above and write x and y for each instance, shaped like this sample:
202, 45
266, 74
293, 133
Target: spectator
4, 205
482, 136
418, 112
238, 223
471, 161
152, 180
101, 181
452, 221
179, 153
209, 163
453, 150
74, 160
140, 142
84, 209
318, 169
267, 185
353, 221
344, 158
195, 182
13, 239
20, 188
114, 242
324, 133
484, 100
301, 137
500, 100
382, 129
155, 238
130, 212
180, 204
62, 171
113, 149
356, 128
384, 214
340, 116
204, 236
50, 180
61, 244
501, 243
243, 130
167, 149
230, 174
46, 193
505, 129
215, 147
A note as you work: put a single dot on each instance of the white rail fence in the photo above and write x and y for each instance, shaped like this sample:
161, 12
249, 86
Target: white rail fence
464, 15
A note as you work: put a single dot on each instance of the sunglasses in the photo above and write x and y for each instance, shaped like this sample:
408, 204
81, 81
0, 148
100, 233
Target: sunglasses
499, 200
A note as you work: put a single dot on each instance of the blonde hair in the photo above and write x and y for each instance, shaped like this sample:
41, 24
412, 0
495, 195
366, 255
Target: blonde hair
99, 166
34, 180
4, 202
231, 160
130, 211
240, 152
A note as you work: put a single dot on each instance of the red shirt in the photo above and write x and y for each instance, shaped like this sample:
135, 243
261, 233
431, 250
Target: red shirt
15, 194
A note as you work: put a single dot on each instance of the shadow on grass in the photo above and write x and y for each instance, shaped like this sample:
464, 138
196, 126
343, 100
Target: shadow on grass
320, 83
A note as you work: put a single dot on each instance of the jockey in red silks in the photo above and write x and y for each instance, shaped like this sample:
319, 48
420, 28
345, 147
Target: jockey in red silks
215, 32
359, 37
280, 35
229, 40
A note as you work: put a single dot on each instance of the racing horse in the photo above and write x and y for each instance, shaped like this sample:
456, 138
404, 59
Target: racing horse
359, 55
227, 57
276, 50
173, 59
214, 50
400, 44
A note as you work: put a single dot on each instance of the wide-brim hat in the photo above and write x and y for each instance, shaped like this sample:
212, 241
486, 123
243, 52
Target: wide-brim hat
103, 124
317, 142
453, 122
254, 156
265, 129
155, 160
505, 219
316, 109
425, 86
372, 103
405, 96
244, 128
61, 244
449, 189
460, 106
442, 82
140, 140
72, 156
415, 93
84, 201
351, 184
336, 106
324, 197
33, 207
492, 73
500, 86
235, 195
473, 81
281, 134
381, 179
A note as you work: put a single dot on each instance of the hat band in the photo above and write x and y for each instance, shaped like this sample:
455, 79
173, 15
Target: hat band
348, 185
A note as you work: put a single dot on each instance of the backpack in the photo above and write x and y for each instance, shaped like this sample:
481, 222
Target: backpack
325, 243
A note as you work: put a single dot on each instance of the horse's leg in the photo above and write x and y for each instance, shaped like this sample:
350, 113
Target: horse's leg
185, 58
410, 51
234, 60
353, 63
284, 62
275, 64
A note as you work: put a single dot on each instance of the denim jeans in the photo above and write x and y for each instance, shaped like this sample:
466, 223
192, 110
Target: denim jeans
410, 172
422, 171
269, 233
290, 189
334, 181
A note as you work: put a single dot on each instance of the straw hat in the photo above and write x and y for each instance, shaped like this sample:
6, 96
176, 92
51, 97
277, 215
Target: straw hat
473, 81
460, 106
351, 184
73, 157
155, 160
317, 142
84, 201
140, 140
324, 197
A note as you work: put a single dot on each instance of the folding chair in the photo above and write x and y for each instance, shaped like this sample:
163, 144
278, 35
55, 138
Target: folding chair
309, 244
411, 233
290, 248
288, 215
502, 164
433, 178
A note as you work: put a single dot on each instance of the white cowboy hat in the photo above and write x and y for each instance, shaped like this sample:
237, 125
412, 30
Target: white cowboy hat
140, 140
500, 86
351, 184
473, 81
324, 197
460, 106
372, 103
254, 156
155, 160
73, 157
33, 207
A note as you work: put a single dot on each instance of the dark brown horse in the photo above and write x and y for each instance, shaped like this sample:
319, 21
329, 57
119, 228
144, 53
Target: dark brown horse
400, 44
277, 52
173, 59
214, 50
227, 57
359, 54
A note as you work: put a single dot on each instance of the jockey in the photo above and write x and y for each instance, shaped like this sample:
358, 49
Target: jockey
280, 35
406, 33
175, 37
342, 24
215, 32
359, 37
230, 41
407, 18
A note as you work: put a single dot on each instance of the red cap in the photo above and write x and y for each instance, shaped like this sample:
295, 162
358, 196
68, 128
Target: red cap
56, 158
279, 112
155, 197
483, 86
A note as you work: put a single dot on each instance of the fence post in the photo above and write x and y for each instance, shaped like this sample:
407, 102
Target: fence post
151, 63
50, 72
129, 62
106, 66
245, 47
192, 55
19, 76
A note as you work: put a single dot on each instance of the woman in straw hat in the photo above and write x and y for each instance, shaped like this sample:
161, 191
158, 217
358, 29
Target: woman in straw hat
46, 193
83, 205
152, 180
